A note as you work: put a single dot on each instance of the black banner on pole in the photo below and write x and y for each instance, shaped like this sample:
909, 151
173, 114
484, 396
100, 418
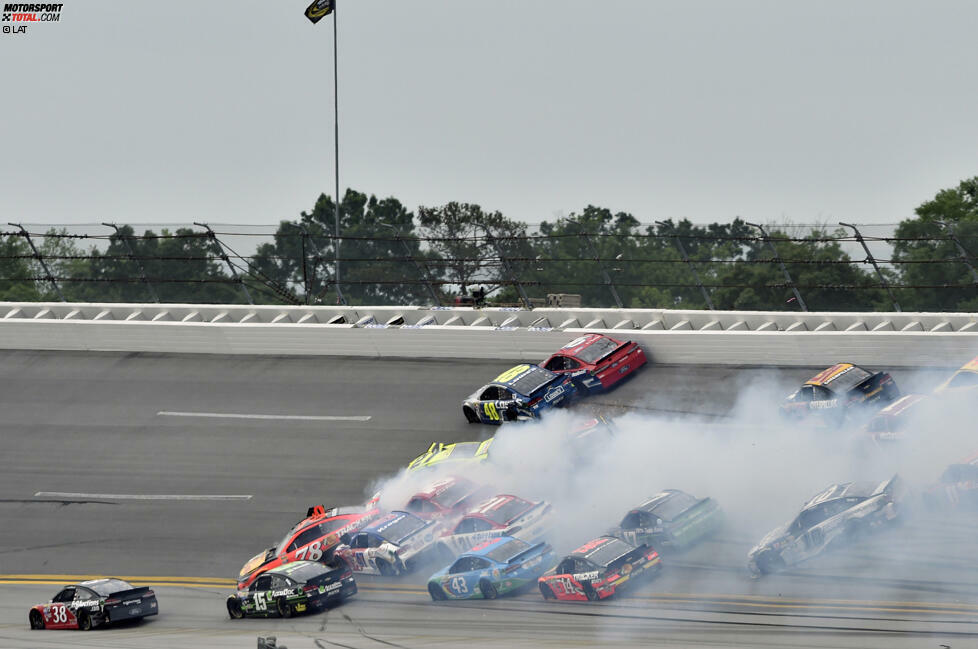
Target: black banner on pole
319, 9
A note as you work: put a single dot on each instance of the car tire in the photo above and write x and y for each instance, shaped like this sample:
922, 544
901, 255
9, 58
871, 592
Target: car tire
385, 569
234, 608
488, 590
470, 416
592, 595
547, 592
854, 531
436, 592
36, 620
84, 621
283, 608
769, 562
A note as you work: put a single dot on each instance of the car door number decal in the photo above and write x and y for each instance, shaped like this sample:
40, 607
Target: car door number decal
459, 586
260, 603
59, 614
491, 411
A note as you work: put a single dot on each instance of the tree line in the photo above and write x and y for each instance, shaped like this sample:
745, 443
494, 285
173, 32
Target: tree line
391, 255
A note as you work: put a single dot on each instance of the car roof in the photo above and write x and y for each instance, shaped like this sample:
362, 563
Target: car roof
438, 487
91, 583
581, 342
589, 548
286, 569
514, 374
831, 374
382, 523
860, 490
487, 546
970, 366
652, 503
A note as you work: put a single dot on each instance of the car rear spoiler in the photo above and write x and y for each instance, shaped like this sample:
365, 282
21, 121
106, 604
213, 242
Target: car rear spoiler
529, 550
130, 593
627, 345
893, 487
321, 510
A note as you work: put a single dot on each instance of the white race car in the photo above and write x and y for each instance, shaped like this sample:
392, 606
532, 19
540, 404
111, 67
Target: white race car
501, 515
393, 545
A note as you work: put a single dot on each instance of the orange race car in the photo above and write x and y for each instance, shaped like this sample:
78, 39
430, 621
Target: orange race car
313, 538
838, 393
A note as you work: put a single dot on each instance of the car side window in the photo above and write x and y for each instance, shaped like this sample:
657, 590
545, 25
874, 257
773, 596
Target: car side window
66, 595
490, 393
505, 395
360, 541
555, 363
305, 537
631, 521
469, 525
82, 594
279, 582
822, 393
262, 583
566, 567
805, 393
570, 364
464, 564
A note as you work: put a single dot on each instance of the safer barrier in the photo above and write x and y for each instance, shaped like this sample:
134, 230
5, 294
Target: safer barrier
706, 337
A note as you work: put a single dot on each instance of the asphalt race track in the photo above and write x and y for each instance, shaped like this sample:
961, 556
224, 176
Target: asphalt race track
88, 424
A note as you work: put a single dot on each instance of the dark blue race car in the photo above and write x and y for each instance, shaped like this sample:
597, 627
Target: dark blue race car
522, 392
495, 567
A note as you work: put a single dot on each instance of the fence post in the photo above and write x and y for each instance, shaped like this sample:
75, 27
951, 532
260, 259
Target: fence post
965, 255
784, 269
872, 260
604, 272
509, 269
37, 255
692, 266
227, 260
139, 264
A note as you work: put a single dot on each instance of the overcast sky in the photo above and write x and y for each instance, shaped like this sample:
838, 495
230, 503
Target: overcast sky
167, 112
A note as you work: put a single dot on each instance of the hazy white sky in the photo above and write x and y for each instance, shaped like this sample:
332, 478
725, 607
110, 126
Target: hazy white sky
222, 111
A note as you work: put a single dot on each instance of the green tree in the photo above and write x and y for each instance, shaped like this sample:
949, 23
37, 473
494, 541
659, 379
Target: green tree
15, 271
922, 241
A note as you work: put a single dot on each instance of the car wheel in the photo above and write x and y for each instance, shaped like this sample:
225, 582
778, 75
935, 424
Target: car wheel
854, 531
769, 562
283, 607
84, 621
385, 568
470, 415
436, 592
488, 590
592, 595
547, 592
36, 620
234, 608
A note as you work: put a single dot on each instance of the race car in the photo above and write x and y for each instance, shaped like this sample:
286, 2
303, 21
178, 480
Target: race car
502, 515
894, 422
462, 453
670, 519
495, 567
395, 544
520, 393
962, 382
446, 498
315, 537
598, 569
841, 513
839, 392
957, 488
596, 362
92, 603
298, 587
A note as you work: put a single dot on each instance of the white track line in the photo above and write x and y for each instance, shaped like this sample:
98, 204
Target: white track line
65, 494
231, 415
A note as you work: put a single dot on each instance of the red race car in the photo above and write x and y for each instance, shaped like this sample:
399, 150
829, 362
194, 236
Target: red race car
92, 603
446, 498
596, 362
598, 569
313, 538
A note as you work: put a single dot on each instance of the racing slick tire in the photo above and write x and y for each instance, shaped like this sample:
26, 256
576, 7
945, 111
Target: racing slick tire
36, 620
235, 611
470, 415
283, 608
437, 594
84, 621
488, 590
547, 592
592, 595
385, 569
511, 414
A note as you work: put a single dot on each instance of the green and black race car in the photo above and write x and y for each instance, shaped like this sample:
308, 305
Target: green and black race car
671, 520
293, 588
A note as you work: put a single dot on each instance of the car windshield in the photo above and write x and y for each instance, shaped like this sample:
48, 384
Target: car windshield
673, 506
506, 551
608, 552
508, 511
597, 349
532, 381
311, 533
453, 494
400, 529
107, 586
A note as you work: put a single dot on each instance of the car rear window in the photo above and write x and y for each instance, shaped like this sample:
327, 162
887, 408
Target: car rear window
532, 381
508, 511
608, 552
506, 551
674, 506
401, 529
106, 587
596, 350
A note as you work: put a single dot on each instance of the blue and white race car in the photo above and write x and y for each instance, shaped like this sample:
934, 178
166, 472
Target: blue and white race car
522, 392
394, 544
496, 567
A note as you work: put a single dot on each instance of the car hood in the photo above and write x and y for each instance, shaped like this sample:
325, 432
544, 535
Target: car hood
776, 539
255, 562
